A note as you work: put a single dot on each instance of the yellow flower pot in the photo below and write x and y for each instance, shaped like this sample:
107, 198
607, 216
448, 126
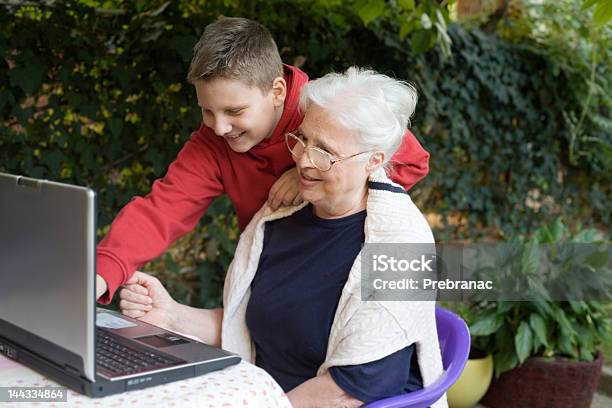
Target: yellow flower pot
472, 384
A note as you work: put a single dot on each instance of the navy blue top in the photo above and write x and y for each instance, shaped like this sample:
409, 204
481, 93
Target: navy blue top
302, 270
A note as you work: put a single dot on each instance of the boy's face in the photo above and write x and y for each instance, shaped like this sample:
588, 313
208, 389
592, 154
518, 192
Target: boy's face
243, 115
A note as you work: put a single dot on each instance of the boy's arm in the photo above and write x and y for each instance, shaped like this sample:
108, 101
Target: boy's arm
410, 164
145, 227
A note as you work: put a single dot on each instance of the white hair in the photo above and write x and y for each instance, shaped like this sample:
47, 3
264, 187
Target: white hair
378, 108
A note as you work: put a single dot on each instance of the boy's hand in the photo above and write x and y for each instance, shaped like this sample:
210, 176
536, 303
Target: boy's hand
285, 190
101, 286
143, 297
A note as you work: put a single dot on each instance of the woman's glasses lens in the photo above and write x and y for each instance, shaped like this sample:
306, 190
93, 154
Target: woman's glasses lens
295, 145
319, 159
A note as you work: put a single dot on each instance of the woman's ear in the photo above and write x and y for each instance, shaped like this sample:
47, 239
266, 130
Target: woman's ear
279, 91
377, 159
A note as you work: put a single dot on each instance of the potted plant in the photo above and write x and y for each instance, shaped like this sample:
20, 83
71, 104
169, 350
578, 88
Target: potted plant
476, 376
545, 351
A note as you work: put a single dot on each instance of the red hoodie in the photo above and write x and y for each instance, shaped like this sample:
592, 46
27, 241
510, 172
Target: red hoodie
206, 168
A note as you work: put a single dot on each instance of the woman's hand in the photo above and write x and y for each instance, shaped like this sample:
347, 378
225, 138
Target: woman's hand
285, 190
321, 392
143, 297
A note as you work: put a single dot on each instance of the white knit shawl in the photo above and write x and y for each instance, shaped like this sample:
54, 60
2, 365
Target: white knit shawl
361, 331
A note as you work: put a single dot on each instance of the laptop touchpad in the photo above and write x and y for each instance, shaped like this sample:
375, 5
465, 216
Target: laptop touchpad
162, 340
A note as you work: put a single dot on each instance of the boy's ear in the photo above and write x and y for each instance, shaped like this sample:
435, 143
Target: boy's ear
376, 160
279, 91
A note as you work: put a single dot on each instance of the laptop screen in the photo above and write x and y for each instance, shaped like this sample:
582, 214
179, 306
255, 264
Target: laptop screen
47, 261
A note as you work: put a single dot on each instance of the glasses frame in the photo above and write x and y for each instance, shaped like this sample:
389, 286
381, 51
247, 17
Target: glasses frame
332, 159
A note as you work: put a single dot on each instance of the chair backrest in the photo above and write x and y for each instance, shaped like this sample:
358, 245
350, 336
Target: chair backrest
454, 338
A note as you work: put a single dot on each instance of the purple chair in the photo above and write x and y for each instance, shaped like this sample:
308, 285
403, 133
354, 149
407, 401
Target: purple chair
454, 338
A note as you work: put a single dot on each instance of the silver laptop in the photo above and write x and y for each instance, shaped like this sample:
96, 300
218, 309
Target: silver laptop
48, 315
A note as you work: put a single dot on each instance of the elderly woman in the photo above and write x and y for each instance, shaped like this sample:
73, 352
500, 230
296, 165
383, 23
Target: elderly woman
292, 296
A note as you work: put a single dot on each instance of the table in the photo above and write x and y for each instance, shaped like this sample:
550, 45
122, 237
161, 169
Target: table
242, 385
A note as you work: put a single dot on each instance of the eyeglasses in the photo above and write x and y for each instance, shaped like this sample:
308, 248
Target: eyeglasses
318, 157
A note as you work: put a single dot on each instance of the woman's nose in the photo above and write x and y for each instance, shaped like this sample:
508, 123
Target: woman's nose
303, 161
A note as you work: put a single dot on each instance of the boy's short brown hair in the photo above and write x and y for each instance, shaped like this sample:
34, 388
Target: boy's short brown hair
236, 48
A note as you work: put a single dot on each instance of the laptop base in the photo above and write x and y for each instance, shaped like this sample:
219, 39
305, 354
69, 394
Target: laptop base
103, 387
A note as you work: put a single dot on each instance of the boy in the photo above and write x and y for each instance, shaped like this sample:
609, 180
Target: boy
249, 100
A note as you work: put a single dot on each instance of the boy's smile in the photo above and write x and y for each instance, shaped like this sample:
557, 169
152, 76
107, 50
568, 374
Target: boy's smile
243, 115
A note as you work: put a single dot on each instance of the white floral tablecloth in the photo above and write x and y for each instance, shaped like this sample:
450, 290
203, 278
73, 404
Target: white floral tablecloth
242, 385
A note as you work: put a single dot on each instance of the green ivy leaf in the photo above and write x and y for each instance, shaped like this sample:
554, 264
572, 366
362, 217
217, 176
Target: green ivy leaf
28, 77
586, 354
538, 325
504, 307
406, 28
597, 259
422, 40
53, 161
543, 308
2, 45
603, 12
523, 341
183, 44
156, 158
566, 347
88, 157
6, 97
577, 307
369, 10
221, 236
558, 230
486, 325
567, 331
406, 4
588, 3
530, 259
585, 236
115, 125
504, 341
504, 362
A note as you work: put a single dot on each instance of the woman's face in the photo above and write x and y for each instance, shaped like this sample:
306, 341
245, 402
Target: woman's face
342, 190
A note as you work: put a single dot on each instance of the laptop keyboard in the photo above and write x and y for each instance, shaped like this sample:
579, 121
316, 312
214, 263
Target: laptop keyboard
117, 358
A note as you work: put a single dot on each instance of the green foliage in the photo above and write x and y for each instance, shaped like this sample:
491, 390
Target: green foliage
496, 111
95, 98
579, 51
427, 21
603, 10
516, 330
